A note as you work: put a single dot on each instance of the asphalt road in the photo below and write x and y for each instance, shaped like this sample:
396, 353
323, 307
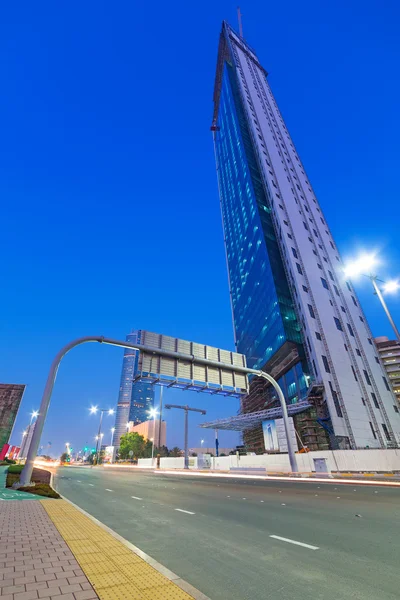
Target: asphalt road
223, 546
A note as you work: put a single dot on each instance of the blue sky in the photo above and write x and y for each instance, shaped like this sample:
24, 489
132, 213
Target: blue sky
110, 214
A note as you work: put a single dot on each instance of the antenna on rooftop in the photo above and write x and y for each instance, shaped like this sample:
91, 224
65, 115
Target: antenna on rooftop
239, 14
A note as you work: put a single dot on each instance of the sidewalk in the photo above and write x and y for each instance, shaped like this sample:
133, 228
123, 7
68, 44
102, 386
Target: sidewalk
50, 549
35, 561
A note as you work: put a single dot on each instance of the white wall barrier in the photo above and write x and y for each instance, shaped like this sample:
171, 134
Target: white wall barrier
337, 460
146, 463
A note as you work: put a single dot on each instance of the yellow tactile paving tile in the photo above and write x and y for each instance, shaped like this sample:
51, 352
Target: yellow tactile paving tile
122, 592
115, 572
168, 591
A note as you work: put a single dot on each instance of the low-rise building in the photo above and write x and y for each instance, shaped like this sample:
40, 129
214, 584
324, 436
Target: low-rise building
151, 430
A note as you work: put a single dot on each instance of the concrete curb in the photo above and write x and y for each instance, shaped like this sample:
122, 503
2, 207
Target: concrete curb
184, 585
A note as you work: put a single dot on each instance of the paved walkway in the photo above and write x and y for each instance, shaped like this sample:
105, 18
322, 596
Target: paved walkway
50, 549
35, 561
114, 570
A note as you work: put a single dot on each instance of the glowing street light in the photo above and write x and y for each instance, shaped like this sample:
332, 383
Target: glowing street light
34, 414
364, 266
361, 266
24, 433
391, 286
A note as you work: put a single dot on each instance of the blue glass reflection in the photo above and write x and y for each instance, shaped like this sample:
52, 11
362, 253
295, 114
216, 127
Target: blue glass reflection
264, 317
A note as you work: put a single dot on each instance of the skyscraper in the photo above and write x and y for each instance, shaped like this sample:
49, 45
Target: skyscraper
135, 398
294, 313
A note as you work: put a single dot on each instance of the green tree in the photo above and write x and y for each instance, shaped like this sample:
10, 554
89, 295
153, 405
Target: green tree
132, 442
175, 451
163, 451
64, 457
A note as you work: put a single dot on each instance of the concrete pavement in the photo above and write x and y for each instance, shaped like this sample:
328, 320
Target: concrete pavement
52, 549
35, 561
251, 540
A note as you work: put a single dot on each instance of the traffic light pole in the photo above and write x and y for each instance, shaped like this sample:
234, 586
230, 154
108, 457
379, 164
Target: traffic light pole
26, 474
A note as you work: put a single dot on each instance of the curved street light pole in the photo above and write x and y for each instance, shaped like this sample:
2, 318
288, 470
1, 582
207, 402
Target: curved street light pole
26, 473
384, 305
291, 452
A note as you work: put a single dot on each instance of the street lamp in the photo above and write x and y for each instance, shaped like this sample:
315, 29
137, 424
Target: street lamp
364, 265
112, 435
93, 410
34, 414
153, 412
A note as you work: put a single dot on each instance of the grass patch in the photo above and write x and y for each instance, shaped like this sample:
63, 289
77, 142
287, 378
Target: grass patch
40, 489
11, 479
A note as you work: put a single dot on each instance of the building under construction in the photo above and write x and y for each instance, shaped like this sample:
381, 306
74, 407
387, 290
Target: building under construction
294, 314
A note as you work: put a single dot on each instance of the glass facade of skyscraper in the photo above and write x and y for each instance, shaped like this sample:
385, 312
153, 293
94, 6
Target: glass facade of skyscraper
135, 398
142, 401
264, 316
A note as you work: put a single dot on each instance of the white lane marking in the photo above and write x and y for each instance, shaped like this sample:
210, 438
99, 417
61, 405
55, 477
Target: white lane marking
107, 490
261, 500
185, 511
136, 498
243, 498
91, 484
278, 537
79, 481
283, 504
